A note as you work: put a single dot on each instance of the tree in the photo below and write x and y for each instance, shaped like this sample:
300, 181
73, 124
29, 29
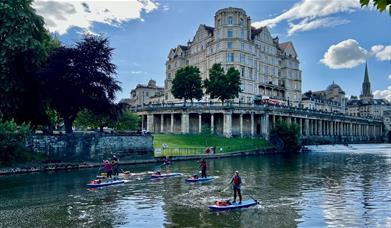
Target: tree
88, 119
381, 5
286, 134
187, 84
24, 47
128, 121
222, 85
80, 77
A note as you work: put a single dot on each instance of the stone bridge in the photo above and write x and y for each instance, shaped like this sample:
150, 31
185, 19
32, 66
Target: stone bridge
239, 120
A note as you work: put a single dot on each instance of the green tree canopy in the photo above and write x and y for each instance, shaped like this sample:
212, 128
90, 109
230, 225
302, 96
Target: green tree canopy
222, 85
288, 134
381, 5
80, 77
24, 47
128, 121
187, 84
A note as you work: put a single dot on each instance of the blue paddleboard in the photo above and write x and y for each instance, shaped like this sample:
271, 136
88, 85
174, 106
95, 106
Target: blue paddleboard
245, 203
165, 175
106, 183
200, 179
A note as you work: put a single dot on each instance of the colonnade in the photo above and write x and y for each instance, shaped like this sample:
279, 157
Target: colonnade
230, 123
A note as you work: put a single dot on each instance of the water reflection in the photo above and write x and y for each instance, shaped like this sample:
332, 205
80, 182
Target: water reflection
333, 186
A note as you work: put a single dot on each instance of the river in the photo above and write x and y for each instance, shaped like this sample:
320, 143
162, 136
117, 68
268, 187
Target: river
332, 186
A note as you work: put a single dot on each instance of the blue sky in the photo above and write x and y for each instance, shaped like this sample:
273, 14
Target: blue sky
142, 33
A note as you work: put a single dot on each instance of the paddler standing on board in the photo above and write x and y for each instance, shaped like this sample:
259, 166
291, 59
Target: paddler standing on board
236, 181
203, 167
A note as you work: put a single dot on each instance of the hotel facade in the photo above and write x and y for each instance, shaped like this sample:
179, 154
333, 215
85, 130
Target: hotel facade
266, 66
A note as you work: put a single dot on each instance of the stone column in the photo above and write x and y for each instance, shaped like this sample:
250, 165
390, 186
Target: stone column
185, 123
301, 126
252, 124
199, 123
274, 121
212, 124
316, 127
320, 127
332, 128
172, 123
241, 125
306, 127
161, 123
289, 120
265, 125
352, 129
150, 127
142, 122
227, 125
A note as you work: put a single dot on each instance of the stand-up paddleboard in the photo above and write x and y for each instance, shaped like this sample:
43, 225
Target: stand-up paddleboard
230, 206
199, 179
165, 175
94, 184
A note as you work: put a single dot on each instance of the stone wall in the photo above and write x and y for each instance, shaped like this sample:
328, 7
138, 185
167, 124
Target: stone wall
93, 147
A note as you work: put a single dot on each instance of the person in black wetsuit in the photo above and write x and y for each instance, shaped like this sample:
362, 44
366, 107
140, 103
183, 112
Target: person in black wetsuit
114, 162
203, 166
236, 181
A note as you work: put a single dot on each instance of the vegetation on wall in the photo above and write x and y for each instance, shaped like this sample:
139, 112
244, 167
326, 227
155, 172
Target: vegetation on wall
286, 136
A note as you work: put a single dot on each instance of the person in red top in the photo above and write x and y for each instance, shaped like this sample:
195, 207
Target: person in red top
108, 168
203, 167
236, 181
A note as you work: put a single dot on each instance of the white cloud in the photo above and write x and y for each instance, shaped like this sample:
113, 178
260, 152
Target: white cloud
389, 77
313, 12
385, 94
306, 24
61, 15
346, 54
382, 53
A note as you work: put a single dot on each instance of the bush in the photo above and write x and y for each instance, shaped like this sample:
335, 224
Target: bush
286, 136
12, 148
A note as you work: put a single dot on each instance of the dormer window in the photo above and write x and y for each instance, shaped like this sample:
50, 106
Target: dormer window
241, 21
230, 20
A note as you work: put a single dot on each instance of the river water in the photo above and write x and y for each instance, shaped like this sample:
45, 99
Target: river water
333, 186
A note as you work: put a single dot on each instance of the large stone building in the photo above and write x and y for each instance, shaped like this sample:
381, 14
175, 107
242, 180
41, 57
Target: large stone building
332, 99
367, 106
145, 94
266, 66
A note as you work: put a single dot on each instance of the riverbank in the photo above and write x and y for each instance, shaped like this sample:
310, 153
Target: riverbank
52, 167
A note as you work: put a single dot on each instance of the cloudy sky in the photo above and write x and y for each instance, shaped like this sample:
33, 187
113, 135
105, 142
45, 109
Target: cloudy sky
334, 38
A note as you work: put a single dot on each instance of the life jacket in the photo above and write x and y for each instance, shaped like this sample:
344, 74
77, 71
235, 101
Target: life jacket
237, 180
222, 203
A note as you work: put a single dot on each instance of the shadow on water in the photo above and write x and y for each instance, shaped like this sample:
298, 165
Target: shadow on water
329, 187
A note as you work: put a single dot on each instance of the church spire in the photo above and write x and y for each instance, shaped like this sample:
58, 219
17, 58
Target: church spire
366, 86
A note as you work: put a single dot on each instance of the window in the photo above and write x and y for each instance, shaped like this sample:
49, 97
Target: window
230, 34
229, 45
242, 46
250, 72
250, 61
242, 59
230, 57
242, 71
230, 20
250, 48
169, 66
242, 34
241, 21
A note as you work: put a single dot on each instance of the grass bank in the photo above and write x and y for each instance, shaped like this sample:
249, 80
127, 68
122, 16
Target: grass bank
182, 145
